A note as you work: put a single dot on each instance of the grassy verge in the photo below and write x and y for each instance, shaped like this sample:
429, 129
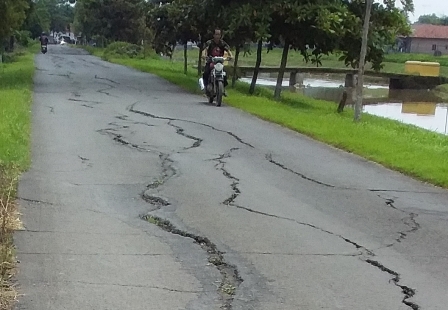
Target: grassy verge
15, 122
441, 91
405, 148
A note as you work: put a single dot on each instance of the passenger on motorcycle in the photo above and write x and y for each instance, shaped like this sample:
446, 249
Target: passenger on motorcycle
214, 48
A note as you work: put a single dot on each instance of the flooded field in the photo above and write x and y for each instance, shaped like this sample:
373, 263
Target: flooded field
416, 107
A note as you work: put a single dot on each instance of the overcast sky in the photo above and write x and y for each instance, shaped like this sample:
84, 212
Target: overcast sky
422, 7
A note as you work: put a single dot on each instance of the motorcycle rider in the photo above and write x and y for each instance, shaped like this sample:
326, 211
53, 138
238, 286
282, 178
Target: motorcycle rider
215, 48
43, 39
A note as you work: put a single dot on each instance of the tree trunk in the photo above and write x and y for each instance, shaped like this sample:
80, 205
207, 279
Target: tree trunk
185, 58
235, 65
257, 67
362, 61
200, 60
281, 72
2, 49
11, 43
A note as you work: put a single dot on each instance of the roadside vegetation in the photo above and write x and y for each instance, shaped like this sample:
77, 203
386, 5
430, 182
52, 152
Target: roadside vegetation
441, 91
405, 148
393, 63
16, 78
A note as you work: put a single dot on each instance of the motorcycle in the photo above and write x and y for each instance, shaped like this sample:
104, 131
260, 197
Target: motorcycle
215, 86
43, 49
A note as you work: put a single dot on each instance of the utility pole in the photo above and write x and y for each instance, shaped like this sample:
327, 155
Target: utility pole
362, 61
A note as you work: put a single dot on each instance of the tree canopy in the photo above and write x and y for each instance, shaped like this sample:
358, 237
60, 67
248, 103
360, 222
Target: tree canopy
433, 19
12, 15
311, 27
117, 20
48, 16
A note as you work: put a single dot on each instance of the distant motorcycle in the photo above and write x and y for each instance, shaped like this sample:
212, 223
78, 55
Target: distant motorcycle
215, 86
43, 48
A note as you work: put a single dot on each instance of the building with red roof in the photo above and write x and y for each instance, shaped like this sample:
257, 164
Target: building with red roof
427, 39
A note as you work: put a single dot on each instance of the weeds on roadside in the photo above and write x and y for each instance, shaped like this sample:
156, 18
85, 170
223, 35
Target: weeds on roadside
16, 80
9, 222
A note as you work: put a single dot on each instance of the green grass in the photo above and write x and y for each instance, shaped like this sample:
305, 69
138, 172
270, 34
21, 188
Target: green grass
441, 91
16, 79
403, 57
405, 148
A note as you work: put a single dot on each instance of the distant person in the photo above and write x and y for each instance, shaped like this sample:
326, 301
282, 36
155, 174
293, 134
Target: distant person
247, 50
43, 39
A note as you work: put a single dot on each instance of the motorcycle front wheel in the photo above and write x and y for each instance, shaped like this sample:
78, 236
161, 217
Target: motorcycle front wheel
219, 93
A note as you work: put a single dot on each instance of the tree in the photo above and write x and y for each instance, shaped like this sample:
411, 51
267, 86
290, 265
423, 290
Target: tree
163, 28
39, 20
183, 21
433, 19
385, 22
61, 15
362, 58
85, 22
185, 16
47, 15
312, 28
249, 22
12, 15
116, 20
34, 21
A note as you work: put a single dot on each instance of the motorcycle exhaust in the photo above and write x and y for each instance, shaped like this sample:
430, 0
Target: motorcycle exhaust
201, 84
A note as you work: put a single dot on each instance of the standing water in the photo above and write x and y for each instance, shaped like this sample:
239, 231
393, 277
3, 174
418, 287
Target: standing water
416, 107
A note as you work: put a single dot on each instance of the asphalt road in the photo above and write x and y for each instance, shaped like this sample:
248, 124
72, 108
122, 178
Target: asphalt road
142, 196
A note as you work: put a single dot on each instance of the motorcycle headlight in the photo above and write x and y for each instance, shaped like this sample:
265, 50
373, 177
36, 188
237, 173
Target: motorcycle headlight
219, 67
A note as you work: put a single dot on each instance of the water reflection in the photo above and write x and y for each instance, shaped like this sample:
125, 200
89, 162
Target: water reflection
418, 107
310, 83
426, 115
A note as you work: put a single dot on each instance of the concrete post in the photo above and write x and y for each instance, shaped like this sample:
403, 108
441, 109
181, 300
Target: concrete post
292, 78
295, 77
395, 83
349, 80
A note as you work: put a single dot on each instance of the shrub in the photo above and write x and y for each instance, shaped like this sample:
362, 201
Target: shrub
128, 50
118, 49
23, 37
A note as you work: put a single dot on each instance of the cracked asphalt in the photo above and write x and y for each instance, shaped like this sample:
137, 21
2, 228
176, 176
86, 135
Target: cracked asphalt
142, 196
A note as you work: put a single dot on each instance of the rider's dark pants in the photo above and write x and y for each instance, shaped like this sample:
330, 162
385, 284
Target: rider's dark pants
206, 75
